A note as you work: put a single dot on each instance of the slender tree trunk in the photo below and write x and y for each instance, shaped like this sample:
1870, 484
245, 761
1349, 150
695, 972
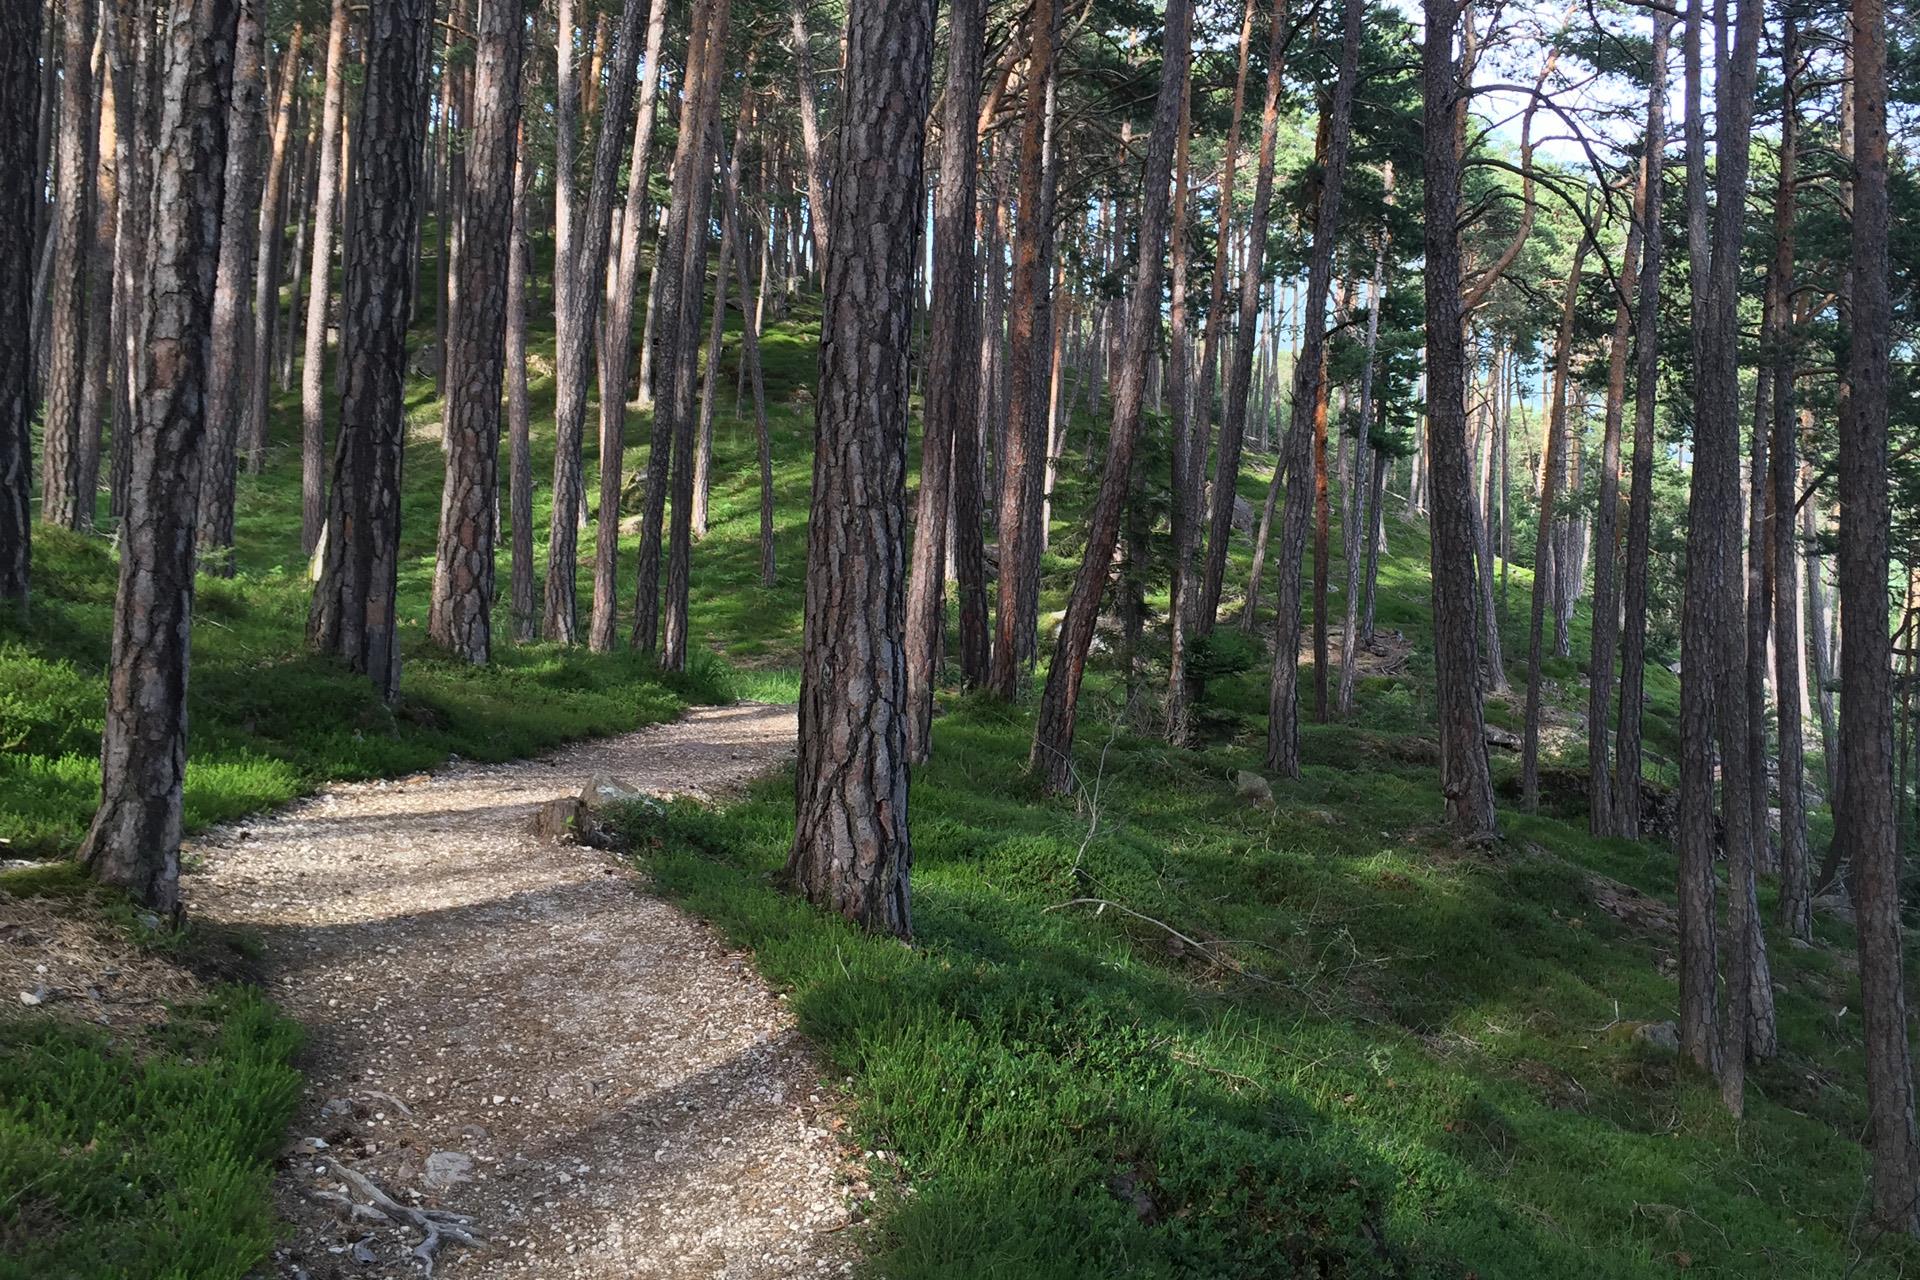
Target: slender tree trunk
63, 460
851, 849
952, 379
134, 840
19, 200
1465, 781
354, 607
1646, 339
1308, 417
1052, 754
266, 277
461, 617
313, 493
228, 375
818, 213
617, 347
750, 344
526, 620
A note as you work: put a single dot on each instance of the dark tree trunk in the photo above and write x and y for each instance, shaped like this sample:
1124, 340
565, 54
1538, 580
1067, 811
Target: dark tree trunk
1646, 356
952, 377
266, 278
64, 446
616, 348
1465, 781
232, 319
354, 601
134, 841
1052, 754
1864, 815
461, 618
19, 200
326, 192
1308, 414
585, 273
851, 849
1356, 520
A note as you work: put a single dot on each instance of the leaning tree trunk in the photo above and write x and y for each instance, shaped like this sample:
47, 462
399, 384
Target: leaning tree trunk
313, 426
1052, 754
616, 347
65, 433
851, 849
1646, 374
232, 321
354, 601
1864, 815
461, 616
585, 274
134, 841
952, 377
19, 195
1465, 781
1308, 417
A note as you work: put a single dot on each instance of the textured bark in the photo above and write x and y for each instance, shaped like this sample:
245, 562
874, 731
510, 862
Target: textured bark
616, 346
1052, 754
1465, 782
574, 353
952, 377
134, 840
681, 263
232, 318
19, 198
313, 427
266, 277
1545, 569
1357, 516
460, 618
64, 445
1864, 816
851, 849
1306, 423
1027, 320
819, 213
526, 618
1239, 380
354, 601
1646, 356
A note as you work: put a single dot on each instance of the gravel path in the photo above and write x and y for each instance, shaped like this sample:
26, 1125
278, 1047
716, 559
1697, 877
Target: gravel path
517, 1032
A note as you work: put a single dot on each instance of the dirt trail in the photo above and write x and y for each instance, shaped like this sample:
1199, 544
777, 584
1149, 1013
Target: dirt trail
517, 1032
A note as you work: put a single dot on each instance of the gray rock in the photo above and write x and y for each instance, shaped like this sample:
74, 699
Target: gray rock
1253, 789
448, 1169
1663, 1036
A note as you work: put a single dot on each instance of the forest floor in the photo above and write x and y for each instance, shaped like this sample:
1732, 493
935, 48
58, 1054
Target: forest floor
513, 1030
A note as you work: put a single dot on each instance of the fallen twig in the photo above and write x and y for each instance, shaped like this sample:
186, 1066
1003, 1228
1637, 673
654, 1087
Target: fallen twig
433, 1224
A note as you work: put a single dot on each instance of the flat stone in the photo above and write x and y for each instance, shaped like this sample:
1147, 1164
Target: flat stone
447, 1169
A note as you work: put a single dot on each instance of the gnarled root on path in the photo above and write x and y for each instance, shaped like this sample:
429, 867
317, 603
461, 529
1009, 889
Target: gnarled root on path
435, 1225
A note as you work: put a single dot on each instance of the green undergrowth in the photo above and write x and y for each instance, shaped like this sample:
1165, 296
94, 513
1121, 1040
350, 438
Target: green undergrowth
1216, 1040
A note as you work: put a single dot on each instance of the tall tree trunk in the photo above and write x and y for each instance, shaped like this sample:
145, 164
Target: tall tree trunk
851, 849
1239, 379
1864, 815
271, 234
1052, 754
750, 360
526, 619
1646, 375
232, 322
584, 291
134, 840
65, 433
952, 378
1356, 519
819, 215
19, 199
617, 347
1465, 781
461, 617
313, 493
355, 602
1552, 468
1283, 711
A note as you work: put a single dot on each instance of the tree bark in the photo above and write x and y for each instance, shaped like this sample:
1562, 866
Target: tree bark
526, 620
65, 432
952, 377
819, 214
19, 199
134, 840
271, 234
313, 493
851, 849
354, 607
1052, 754
461, 616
